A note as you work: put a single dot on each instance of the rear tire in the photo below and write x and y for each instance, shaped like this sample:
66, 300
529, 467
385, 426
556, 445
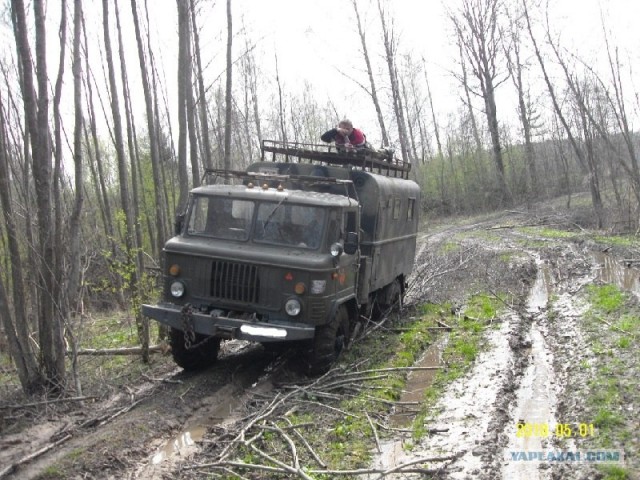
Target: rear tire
328, 342
202, 356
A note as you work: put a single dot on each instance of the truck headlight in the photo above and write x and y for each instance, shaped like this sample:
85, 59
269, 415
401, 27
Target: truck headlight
292, 307
336, 249
177, 289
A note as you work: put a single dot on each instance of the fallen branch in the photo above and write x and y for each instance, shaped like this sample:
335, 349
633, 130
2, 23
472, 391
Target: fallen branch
305, 442
442, 325
46, 402
283, 468
119, 351
14, 466
389, 369
613, 327
375, 432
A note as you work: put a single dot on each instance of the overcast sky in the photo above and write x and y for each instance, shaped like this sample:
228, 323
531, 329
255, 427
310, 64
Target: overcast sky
316, 41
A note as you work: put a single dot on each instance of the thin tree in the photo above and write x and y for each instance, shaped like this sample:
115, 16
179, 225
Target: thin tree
161, 228
36, 106
516, 67
594, 185
184, 66
478, 34
228, 92
398, 109
201, 100
15, 320
373, 92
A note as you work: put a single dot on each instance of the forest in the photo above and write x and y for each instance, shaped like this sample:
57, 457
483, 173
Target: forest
98, 153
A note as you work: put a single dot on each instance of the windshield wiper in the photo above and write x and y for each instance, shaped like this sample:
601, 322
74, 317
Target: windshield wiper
270, 216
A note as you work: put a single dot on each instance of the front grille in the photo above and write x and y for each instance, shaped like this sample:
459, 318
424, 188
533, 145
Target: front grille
235, 282
317, 311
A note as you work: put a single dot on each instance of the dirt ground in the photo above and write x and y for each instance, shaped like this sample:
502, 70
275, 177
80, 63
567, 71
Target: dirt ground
538, 368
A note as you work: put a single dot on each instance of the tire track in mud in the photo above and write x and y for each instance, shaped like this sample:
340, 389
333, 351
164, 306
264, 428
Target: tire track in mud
517, 379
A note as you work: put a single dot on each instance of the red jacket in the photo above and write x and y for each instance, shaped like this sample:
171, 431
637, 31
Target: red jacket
356, 138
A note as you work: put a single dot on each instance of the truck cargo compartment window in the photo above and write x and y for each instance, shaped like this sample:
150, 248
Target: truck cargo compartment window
411, 206
396, 208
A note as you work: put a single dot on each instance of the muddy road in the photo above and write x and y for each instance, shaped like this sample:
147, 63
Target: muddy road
552, 393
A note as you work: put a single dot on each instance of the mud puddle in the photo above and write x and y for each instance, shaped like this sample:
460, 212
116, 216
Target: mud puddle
536, 401
613, 271
417, 382
220, 410
462, 415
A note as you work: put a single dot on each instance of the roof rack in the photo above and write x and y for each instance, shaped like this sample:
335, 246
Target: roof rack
376, 161
310, 180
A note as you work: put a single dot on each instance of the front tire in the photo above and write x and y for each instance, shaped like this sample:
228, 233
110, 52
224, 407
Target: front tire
329, 341
203, 355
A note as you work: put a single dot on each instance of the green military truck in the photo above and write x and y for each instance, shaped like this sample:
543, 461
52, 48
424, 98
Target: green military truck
297, 248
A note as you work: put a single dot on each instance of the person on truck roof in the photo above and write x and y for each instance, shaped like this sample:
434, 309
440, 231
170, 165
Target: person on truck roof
345, 136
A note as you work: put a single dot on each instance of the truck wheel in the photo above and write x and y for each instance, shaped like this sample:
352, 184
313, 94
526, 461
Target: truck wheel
202, 356
328, 342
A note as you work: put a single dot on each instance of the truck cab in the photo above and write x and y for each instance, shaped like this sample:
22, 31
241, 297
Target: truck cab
288, 253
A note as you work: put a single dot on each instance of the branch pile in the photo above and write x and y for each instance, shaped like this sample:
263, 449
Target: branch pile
270, 443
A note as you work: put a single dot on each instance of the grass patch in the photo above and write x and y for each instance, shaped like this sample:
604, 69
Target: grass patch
613, 328
549, 233
612, 472
625, 241
605, 299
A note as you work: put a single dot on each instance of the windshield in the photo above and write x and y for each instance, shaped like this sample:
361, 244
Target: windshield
221, 217
276, 223
286, 224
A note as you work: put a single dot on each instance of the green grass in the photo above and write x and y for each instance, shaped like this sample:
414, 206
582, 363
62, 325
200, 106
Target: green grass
606, 299
613, 328
612, 472
549, 233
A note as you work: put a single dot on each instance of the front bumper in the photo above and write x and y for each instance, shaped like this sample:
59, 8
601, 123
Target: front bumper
226, 327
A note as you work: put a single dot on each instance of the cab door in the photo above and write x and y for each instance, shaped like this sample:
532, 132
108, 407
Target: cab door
346, 271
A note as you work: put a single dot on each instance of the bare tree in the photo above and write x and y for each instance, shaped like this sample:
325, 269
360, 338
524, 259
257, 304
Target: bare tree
161, 228
436, 128
36, 107
583, 157
374, 91
480, 43
201, 101
228, 92
15, 320
390, 49
184, 66
526, 112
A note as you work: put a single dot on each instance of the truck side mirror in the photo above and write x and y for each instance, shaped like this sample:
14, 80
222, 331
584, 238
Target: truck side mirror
179, 223
351, 243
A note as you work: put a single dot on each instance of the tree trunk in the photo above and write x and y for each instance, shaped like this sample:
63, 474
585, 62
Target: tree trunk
37, 113
201, 102
227, 98
374, 91
161, 229
398, 108
436, 128
15, 323
183, 84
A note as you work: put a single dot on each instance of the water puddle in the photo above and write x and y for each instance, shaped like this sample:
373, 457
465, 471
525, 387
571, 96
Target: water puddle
220, 410
417, 382
534, 414
610, 270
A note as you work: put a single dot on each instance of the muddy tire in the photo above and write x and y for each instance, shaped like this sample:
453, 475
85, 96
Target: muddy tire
202, 356
328, 342
389, 298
